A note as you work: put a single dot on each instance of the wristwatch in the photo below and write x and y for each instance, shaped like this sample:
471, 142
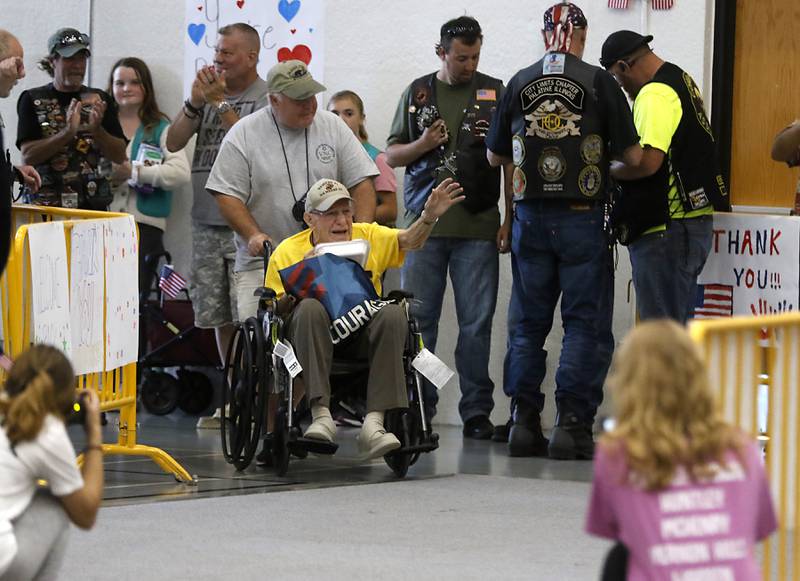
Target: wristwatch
224, 107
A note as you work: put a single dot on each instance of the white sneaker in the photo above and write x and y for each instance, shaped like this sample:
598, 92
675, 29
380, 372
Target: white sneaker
212, 422
322, 428
374, 443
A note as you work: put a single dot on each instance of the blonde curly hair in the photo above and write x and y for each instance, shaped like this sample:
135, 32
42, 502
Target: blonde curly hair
666, 414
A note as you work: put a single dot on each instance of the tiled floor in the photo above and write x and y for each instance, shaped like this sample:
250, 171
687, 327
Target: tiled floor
132, 480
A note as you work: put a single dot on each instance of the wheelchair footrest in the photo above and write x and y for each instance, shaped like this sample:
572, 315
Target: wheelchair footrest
314, 446
429, 446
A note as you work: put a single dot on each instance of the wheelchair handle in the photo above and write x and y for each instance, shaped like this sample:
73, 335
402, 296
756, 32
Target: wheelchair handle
267, 253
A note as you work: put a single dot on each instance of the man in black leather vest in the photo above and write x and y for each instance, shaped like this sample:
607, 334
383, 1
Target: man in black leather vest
438, 132
670, 196
12, 69
67, 129
560, 122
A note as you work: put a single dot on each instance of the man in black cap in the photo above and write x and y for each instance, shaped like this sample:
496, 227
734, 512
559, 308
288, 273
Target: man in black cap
665, 210
560, 122
67, 129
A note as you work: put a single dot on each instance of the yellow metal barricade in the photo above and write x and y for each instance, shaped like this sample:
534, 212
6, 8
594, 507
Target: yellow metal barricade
115, 388
754, 363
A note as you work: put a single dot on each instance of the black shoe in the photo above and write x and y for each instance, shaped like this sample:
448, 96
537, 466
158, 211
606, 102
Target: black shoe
478, 428
264, 458
525, 436
571, 439
501, 431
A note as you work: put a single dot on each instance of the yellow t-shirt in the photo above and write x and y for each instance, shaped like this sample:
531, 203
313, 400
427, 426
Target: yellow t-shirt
384, 253
657, 113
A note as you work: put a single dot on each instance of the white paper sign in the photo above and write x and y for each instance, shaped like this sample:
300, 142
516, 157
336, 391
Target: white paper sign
288, 30
86, 296
122, 292
753, 267
432, 368
286, 353
50, 286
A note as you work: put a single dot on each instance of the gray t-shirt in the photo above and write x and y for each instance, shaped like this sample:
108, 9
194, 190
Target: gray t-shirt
210, 133
251, 166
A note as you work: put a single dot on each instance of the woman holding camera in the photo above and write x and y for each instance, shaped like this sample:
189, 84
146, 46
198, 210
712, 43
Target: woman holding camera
34, 403
143, 184
350, 108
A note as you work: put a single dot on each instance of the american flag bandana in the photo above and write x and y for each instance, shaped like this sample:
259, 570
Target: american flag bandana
171, 282
559, 22
663, 4
620, 4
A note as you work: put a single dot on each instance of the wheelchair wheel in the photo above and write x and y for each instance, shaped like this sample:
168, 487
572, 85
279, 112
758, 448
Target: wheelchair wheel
404, 425
196, 391
160, 392
244, 395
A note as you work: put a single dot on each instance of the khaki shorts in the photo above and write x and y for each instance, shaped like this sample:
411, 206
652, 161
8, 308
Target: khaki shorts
247, 281
212, 287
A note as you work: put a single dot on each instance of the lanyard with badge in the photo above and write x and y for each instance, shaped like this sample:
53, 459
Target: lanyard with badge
299, 206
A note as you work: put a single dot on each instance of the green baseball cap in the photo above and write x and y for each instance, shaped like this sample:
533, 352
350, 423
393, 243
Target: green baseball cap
67, 42
291, 78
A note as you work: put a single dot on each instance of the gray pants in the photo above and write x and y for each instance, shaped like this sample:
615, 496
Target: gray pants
381, 342
41, 533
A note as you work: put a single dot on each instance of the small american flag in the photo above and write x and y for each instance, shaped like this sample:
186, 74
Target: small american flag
713, 300
486, 95
170, 281
663, 4
621, 4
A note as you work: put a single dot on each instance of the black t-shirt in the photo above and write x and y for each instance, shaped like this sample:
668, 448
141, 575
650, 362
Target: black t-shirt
620, 130
6, 183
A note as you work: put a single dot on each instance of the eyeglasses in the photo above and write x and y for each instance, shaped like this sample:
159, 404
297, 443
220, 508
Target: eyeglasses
333, 214
462, 30
73, 38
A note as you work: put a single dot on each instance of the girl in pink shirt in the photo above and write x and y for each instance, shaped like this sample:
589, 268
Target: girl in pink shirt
682, 491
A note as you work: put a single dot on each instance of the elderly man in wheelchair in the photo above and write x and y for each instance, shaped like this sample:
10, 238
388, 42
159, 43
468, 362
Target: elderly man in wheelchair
381, 339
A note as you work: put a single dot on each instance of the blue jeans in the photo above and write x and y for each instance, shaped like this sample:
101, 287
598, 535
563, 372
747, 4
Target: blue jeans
666, 266
559, 251
473, 267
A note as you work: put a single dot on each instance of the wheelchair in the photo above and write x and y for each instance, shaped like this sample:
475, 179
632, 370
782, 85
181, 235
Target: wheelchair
253, 373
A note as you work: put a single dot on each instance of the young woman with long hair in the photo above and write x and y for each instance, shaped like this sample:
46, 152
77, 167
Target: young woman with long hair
37, 397
145, 182
683, 491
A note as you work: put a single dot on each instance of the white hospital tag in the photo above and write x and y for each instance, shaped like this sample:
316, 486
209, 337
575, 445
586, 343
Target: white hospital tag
285, 352
432, 368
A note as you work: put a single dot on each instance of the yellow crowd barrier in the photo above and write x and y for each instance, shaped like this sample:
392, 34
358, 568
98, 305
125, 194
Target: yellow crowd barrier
115, 388
754, 364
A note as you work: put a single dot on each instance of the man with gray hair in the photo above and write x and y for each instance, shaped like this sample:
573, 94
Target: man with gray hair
12, 69
268, 162
221, 94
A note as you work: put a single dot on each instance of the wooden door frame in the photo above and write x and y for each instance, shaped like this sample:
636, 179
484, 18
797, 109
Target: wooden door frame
722, 80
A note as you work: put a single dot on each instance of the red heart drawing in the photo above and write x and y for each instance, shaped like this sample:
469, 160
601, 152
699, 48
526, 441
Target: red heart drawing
300, 52
240, 3
292, 30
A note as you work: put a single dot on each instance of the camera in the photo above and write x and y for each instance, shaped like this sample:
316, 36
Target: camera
298, 209
77, 414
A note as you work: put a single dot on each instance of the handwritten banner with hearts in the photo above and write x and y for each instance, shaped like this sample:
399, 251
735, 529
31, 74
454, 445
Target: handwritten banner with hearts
289, 29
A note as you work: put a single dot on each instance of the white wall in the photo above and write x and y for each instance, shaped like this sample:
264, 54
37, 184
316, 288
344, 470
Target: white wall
375, 48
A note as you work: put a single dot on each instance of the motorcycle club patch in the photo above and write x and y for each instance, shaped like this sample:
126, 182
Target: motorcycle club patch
517, 150
592, 149
589, 181
519, 182
556, 103
552, 165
